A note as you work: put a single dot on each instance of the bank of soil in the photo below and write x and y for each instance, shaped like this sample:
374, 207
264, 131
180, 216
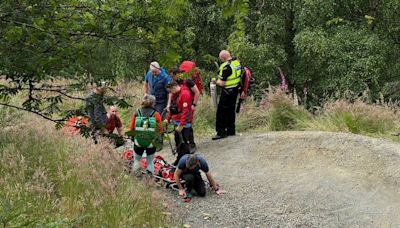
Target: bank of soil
297, 179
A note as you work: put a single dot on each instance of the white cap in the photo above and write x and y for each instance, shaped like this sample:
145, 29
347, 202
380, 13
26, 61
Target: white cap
154, 65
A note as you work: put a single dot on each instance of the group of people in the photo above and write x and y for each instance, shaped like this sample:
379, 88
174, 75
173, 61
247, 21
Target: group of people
172, 97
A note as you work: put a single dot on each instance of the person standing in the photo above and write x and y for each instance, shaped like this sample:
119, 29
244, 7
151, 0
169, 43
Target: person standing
228, 79
96, 111
181, 114
155, 82
146, 124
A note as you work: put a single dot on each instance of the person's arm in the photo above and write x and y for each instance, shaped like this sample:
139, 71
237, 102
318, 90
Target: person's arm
132, 125
159, 123
220, 83
90, 111
119, 126
186, 106
213, 183
177, 176
226, 72
196, 96
145, 88
169, 102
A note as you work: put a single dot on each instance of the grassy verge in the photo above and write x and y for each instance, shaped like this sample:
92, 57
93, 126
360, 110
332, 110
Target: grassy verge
49, 179
277, 111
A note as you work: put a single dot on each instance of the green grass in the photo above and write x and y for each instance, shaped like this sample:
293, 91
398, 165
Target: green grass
49, 179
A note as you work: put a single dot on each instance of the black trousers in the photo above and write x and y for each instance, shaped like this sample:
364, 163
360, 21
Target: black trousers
182, 143
193, 181
225, 123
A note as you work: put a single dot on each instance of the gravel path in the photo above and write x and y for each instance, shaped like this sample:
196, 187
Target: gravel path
298, 179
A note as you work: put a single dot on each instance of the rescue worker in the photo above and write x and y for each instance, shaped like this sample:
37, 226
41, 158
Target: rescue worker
155, 82
183, 76
181, 115
229, 79
188, 169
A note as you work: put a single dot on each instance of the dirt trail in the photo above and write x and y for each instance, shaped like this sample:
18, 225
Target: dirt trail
298, 179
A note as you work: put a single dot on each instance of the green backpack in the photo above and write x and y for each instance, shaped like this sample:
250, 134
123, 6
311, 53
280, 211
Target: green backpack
145, 129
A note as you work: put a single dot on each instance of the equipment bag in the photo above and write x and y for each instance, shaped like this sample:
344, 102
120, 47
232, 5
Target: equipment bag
246, 83
145, 129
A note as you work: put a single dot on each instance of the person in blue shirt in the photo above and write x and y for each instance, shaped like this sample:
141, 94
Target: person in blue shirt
155, 82
188, 169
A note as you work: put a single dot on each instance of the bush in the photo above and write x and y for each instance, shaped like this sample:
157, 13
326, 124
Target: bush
283, 113
49, 179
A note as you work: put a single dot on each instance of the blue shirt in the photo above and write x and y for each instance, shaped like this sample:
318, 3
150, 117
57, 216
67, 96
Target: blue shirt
158, 82
201, 166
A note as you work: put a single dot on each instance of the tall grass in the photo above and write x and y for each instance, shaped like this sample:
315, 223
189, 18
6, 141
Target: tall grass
49, 179
357, 117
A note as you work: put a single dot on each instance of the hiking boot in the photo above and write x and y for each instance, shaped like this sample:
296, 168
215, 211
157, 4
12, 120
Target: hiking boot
188, 197
216, 137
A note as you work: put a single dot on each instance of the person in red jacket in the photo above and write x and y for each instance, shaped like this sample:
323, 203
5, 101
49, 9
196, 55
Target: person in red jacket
181, 114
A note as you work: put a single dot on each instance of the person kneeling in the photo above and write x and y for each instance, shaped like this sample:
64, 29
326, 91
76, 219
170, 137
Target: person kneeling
188, 169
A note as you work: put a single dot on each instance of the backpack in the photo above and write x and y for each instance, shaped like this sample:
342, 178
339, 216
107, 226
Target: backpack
246, 83
145, 129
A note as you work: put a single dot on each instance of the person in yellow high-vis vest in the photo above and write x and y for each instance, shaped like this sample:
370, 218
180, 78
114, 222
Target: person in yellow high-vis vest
229, 80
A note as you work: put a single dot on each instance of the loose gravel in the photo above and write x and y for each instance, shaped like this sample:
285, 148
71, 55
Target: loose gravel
297, 179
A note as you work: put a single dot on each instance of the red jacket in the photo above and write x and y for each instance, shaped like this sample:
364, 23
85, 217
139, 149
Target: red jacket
184, 103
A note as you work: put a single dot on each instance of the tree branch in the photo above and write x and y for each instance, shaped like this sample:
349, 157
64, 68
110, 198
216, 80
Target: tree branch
34, 112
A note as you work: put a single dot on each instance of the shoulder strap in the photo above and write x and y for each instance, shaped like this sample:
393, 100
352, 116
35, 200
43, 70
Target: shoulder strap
152, 113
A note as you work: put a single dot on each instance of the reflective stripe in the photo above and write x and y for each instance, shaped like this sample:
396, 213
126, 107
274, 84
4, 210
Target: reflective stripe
144, 129
234, 79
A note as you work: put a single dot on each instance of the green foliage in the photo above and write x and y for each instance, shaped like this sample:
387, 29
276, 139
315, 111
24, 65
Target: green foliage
283, 114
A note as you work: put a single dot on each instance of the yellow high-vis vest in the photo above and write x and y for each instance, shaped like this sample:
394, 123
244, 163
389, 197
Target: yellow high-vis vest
234, 79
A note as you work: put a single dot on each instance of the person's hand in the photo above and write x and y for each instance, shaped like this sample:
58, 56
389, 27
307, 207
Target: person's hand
168, 108
242, 96
220, 192
179, 128
193, 107
166, 121
182, 192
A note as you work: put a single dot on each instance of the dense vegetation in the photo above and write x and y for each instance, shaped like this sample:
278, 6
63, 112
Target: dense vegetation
49, 179
326, 49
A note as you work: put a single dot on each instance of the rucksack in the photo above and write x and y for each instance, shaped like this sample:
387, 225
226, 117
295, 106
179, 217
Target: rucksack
246, 83
145, 129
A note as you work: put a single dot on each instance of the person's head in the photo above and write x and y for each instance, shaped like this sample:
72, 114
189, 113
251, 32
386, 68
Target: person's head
148, 101
112, 111
224, 56
192, 161
173, 73
100, 87
155, 68
173, 87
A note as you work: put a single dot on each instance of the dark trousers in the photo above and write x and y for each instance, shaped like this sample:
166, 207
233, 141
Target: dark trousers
159, 107
193, 181
140, 150
182, 142
225, 123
